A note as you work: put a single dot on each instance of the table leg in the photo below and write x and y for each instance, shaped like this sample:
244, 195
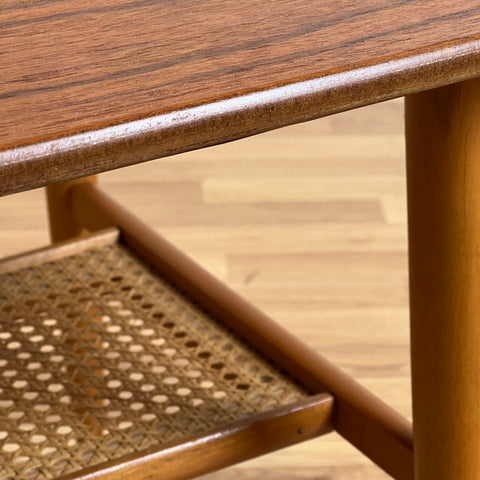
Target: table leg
62, 224
443, 176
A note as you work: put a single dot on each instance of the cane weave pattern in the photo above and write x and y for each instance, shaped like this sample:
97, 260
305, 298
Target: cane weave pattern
101, 356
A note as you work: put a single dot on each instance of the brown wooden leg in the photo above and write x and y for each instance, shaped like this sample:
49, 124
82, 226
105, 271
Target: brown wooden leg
61, 221
443, 175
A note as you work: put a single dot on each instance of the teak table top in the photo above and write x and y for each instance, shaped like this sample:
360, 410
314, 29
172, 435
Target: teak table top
90, 86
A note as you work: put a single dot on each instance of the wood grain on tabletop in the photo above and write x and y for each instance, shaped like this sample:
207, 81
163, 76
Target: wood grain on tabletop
335, 278
74, 67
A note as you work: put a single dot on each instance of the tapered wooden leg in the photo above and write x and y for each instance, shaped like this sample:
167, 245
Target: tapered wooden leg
443, 175
61, 221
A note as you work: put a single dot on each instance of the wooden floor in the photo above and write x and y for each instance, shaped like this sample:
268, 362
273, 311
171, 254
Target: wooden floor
309, 223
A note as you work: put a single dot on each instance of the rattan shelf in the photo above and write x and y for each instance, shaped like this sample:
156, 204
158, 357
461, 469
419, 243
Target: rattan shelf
104, 361
121, 358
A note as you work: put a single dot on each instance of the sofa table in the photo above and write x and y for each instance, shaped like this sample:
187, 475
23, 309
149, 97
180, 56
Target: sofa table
87, 87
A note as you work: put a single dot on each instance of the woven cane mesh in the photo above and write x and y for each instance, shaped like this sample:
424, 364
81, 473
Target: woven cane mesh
101, 356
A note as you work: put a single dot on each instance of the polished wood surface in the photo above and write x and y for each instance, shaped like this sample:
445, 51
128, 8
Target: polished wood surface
329, 263
87, 88
443, 178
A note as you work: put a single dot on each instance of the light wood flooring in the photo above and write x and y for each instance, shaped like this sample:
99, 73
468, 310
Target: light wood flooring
307, 222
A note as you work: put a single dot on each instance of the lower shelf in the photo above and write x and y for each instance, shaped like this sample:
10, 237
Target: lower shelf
107, 369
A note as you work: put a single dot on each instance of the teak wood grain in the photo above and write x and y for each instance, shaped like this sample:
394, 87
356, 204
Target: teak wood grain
90, 87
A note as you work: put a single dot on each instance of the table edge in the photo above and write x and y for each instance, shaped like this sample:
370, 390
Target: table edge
92, 152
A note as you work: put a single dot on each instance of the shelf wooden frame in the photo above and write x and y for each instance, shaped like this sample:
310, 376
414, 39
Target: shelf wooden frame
363, 419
